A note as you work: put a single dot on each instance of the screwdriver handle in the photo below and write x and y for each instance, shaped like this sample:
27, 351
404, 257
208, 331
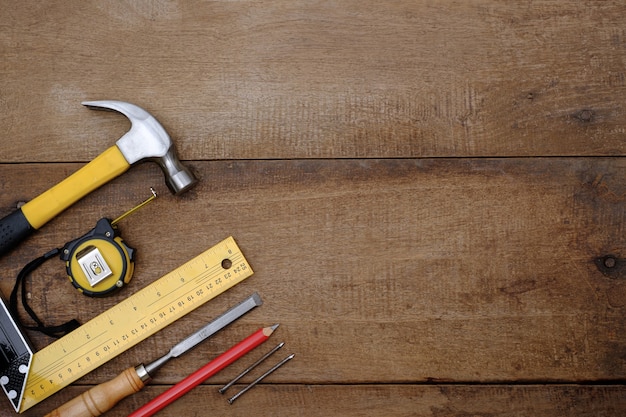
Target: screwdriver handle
101, 398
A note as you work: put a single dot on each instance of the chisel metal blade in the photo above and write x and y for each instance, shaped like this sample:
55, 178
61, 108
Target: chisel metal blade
213, 327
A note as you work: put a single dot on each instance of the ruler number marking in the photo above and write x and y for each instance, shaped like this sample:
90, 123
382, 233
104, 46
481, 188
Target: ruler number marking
198, 291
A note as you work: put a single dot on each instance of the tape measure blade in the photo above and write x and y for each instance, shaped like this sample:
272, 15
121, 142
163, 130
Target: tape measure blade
152, 308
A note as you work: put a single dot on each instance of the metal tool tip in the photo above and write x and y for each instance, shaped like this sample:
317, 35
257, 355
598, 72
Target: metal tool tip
257, 299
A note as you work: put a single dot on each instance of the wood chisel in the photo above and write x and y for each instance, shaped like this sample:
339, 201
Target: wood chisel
103, 397
207, 371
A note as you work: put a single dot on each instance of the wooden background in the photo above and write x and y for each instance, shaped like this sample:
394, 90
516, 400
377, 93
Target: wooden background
422, 188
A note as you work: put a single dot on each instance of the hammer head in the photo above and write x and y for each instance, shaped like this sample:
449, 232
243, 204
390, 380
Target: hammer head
147, 140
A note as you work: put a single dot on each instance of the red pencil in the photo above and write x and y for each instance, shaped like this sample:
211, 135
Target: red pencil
202, 374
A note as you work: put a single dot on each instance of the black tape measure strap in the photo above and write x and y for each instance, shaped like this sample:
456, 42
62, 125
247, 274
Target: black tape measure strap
52, 331
98, 264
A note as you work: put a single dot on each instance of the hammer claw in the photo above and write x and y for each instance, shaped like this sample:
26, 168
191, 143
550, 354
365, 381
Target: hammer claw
148, 140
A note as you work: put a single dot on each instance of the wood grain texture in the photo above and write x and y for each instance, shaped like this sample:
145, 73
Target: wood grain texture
394, 271
430, 193
411, 400
315, 79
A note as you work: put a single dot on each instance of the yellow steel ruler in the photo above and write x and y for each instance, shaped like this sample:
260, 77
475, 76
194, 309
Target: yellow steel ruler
137, 317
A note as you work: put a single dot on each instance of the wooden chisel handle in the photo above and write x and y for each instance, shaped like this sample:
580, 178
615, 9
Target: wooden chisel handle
101, 398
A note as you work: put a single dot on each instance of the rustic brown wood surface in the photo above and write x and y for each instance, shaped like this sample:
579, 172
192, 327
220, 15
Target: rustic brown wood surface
427, 191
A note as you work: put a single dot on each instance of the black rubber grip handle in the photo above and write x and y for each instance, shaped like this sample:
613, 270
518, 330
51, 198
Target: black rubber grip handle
13, 229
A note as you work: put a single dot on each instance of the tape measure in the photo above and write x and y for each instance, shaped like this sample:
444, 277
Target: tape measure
134, 319
100, 262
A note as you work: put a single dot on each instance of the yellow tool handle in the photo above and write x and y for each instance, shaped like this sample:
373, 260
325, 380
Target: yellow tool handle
101, 398
43, 208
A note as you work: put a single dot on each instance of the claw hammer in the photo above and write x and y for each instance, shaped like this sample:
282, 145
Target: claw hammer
146, 140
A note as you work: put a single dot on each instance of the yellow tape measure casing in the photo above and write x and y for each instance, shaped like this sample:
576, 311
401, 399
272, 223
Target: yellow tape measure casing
99, 262
100, 266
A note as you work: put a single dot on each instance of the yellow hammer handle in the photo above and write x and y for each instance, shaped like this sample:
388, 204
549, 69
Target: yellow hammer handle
43, 208
101, 398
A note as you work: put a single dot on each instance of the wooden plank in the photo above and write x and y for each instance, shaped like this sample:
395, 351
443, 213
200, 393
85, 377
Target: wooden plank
380, 270
407, 283
317, 79
388, 400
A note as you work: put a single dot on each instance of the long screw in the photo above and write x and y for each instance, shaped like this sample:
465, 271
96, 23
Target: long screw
256, 381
